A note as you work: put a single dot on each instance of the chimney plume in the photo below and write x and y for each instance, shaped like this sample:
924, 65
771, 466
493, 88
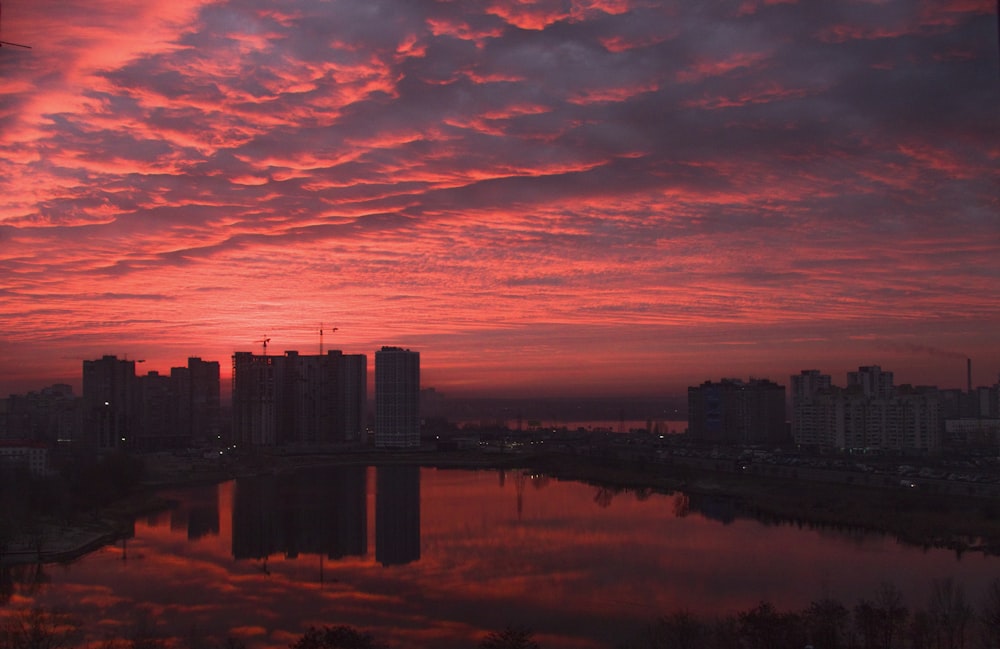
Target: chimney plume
968, 369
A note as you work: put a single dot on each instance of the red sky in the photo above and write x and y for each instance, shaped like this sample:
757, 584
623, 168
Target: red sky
565, 197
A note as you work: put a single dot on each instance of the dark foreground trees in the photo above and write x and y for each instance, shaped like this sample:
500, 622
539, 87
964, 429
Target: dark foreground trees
509, 638
949, 621
336, 637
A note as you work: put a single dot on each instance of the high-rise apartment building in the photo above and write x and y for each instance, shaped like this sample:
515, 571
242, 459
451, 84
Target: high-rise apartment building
397, 398
51, 414
870, 413
109, 402
737, 412
807, 386
150, 412
872, 381
157, 414
255, 396
199, 401
352, 395
296, 399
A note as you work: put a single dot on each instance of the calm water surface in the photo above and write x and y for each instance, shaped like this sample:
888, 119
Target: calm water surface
435, 558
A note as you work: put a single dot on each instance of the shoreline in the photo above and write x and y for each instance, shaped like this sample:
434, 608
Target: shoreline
963, 524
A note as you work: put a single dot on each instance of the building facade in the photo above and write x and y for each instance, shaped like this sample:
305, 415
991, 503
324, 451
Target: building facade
52, 414
198, 405
732, 411
32, 456
807, 387
110, 408
871, 413
397, 398
296, 399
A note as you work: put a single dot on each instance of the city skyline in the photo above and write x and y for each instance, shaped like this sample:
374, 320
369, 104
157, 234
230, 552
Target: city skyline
785, 380
562, 198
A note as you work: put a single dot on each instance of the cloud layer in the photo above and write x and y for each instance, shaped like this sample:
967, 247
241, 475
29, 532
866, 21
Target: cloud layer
572, 195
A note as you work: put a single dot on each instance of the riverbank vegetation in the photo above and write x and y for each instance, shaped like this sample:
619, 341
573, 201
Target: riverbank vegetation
90, 492
960, 523
57, 517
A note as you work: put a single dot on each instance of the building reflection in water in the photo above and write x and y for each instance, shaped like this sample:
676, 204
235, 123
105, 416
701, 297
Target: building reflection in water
397, 515
199, 515
320, 511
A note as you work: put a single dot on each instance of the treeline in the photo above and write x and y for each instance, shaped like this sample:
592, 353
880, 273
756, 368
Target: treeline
949, 621
78, 491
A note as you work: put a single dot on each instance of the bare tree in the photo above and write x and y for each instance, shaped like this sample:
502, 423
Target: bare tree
892, 615
680, 630
764, 627
509, 638
336, 637
826, 623
921, 631
949, 613
989, 617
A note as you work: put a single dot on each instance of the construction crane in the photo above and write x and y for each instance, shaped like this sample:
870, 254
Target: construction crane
264, 342
321, 337
2, 43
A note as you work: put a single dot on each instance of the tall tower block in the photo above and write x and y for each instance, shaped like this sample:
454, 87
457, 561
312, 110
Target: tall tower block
397, 398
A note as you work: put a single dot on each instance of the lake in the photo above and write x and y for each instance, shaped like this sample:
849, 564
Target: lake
437, 558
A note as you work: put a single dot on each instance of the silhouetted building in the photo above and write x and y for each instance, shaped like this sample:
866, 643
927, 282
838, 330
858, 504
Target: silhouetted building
983, 434
397, 514
971, 419
397, 398
873, 382
352, 396
255, 399
870, 413
737, 412
157, 427
33, 456
197, 410
52, 414
296, 399
109, 402
807, 386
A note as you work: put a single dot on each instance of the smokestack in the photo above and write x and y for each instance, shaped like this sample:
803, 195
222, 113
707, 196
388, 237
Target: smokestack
968, 369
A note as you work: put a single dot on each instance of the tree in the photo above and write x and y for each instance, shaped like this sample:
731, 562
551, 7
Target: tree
892, 615
680, 630
989, 617
509, 638
866, 624
921, 630
336, 637
764, 628
949, 613
826, 623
